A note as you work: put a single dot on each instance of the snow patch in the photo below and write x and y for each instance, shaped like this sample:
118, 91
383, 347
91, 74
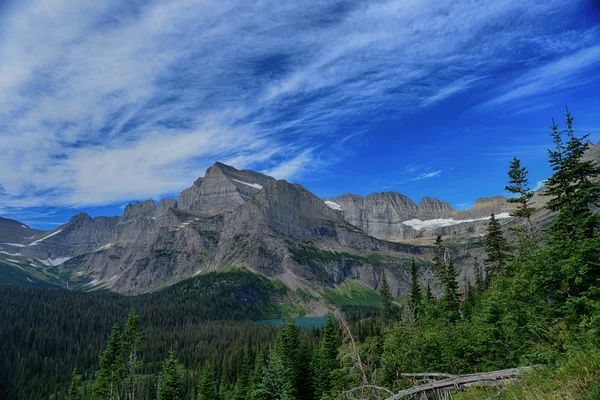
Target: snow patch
94, 282
10, 254
23, 226
49, 262
44, 238
254, 185
105, 247
333, 205
419, 225
14, 244
15, 261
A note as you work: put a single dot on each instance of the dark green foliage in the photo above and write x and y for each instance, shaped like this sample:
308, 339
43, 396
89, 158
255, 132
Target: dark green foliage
325, 359
109, 383
170, 382
496, 248
519, 186
73, 392
207, 388
414, 297
133, 342
386, 300
451, 297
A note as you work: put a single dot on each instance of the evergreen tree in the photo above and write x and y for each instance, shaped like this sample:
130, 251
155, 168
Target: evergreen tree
207, 388
479, 282
519, 186
414, 299
451, 294
497, 249
325, 359
572, 187
386, 300
133, 342
108, 384
244, 378
428, 294
259, 369
438, 259
170, 383
73, 392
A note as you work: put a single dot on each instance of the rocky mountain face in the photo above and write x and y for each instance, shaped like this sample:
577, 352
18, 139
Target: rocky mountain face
392, 216
15, 231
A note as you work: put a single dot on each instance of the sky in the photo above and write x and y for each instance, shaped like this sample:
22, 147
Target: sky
103, 103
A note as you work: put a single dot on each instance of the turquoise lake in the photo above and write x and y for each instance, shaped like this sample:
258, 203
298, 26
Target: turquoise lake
305, 322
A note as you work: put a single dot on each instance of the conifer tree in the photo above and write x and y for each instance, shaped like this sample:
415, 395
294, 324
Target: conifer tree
479, 282
386, 300
73, 392
438, 259
496, 248
170, 383
572, 187
244, 378
428, 294
108, 384
451, 294
325, 359
414, 299
519, 186
133, 343
207, 388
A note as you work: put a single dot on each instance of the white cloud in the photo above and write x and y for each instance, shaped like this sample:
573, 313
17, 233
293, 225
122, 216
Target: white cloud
427, 175
539, 185
102, 102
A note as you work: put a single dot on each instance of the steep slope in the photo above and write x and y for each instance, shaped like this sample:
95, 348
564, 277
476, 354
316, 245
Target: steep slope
287, 231
15, 231
223, 188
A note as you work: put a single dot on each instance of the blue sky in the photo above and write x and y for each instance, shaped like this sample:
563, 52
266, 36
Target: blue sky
102, 103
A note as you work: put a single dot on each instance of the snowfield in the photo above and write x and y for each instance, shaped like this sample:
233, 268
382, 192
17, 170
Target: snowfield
419, 225
44, 238
254, 185
333, 205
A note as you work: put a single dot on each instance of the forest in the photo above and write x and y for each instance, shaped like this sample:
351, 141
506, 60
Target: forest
534, 301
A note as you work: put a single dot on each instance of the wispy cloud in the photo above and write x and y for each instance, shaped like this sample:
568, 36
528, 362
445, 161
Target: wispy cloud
559, 74
427, 175
101, 102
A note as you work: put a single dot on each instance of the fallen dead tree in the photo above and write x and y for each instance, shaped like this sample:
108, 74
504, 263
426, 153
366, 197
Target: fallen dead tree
442, 387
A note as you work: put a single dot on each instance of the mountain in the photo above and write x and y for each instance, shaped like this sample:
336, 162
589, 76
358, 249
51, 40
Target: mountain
15, 231
245, 218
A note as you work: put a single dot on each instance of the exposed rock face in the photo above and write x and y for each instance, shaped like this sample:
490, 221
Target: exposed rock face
379, 214
223, 188
14, 231
383, 215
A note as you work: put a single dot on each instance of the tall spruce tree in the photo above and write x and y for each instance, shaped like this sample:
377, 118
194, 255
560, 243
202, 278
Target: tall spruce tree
170, 382
109, 383
325, 359
519, 186
73, 392
207, 388
572, 186
496, 248
386, 300
451, 294
133, 343
415, 297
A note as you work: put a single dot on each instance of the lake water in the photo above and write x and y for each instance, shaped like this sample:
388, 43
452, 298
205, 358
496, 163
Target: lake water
305, 322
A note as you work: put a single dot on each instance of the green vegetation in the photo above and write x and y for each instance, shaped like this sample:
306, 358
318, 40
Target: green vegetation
351, 293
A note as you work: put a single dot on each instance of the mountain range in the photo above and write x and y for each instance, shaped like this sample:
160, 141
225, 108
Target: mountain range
244, 218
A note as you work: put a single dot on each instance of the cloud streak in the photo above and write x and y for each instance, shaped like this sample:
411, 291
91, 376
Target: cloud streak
104, 102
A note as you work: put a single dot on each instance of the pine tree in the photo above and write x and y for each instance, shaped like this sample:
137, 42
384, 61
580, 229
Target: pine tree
572, 185
386, 300
451, 294
519, 186
133, 343
108, 384
170, 383
414, 299
479, 282
244, 378
428, 294
497, 249
73, 392
207, 388
438, 259
325, 359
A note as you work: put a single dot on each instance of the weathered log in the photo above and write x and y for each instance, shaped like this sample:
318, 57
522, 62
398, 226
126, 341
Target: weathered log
461, 381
